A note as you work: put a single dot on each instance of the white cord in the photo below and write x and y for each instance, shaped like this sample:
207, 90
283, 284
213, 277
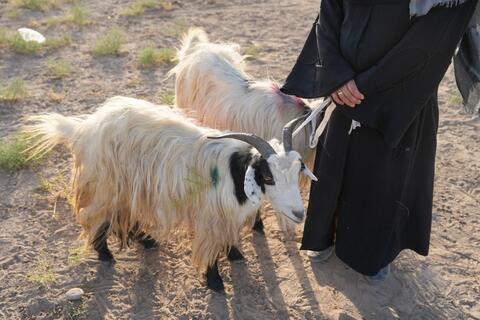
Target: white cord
355, 125
312, 118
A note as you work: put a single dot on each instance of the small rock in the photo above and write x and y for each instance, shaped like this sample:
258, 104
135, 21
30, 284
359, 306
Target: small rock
74, 294
31, 35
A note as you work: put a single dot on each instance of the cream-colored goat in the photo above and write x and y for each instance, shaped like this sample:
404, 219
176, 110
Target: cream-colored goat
143, 167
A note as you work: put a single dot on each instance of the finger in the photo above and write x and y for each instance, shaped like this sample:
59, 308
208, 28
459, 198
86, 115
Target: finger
344, 95
353, 88
336, 99
349, 95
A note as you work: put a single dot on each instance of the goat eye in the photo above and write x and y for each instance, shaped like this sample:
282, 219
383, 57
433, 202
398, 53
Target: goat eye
268, 180
302, 166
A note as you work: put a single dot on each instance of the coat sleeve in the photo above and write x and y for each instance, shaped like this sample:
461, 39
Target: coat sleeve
334, 69
321, 68
407, 77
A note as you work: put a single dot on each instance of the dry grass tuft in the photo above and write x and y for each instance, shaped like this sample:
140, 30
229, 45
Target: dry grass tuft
38, 5
150, 56
77, 15
14, 91
75, 311
41, 272
108, 44
58, 68
14, 153
139, 6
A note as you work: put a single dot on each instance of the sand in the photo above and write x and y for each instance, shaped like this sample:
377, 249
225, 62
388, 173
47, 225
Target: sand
38, 236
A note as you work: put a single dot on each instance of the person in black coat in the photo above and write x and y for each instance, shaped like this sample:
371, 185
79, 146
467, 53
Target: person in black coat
382, 67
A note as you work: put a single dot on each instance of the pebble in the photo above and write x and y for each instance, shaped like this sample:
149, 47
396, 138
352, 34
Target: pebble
74, 294
31, 35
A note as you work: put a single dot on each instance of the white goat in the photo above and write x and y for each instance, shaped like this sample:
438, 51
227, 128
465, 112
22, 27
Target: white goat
212, 84
143, 167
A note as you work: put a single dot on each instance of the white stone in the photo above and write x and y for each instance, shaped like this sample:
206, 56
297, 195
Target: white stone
31, 35
74, 294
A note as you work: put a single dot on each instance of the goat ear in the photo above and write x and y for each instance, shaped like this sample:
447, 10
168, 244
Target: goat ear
309, 173
250, 186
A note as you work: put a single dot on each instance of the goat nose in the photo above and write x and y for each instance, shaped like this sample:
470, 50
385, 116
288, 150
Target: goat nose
298, 214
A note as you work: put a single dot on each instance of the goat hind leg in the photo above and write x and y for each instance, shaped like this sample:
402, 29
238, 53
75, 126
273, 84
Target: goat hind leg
144, 239
147, 241
214, 280
100, 244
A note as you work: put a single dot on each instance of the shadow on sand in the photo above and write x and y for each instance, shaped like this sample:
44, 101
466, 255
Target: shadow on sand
98, 288
400, 296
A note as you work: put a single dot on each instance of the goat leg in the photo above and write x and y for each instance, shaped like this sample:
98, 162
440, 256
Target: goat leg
258, 226
234, 254
144, 239
100, 244
214, 280
147, 241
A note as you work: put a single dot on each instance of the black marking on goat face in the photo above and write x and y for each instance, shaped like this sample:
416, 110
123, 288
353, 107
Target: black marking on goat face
263, 175
239, 162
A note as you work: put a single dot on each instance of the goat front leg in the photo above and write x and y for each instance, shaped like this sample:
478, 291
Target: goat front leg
234, 254
214, 280
258, 226
100, 244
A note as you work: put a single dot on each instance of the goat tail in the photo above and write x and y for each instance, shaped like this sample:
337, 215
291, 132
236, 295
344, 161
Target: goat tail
191, 38
49, 130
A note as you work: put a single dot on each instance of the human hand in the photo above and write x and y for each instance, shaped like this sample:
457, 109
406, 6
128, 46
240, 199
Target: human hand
348, 94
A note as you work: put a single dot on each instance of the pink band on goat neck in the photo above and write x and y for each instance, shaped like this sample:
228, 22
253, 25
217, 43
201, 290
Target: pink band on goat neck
298, 102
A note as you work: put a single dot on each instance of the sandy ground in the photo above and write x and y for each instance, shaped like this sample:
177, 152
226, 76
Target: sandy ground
275, 281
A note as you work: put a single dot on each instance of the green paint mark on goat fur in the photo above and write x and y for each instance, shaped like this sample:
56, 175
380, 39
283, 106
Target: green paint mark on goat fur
215, 177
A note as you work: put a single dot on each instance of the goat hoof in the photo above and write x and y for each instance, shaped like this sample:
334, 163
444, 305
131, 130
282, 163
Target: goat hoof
148, 242
215, 284
234, 254
106, 257
258, 226
214, 280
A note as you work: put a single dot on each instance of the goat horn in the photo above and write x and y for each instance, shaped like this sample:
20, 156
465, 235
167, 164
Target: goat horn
265, 149
288, 132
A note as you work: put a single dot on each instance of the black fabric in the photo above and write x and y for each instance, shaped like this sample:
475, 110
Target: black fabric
390, 55
467, 65
373, 197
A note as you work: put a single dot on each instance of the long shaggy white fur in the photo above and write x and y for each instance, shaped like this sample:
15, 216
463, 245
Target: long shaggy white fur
139, 163
211, 81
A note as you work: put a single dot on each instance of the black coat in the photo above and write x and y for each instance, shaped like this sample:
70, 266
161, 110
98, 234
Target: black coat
374, 194
467, 65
